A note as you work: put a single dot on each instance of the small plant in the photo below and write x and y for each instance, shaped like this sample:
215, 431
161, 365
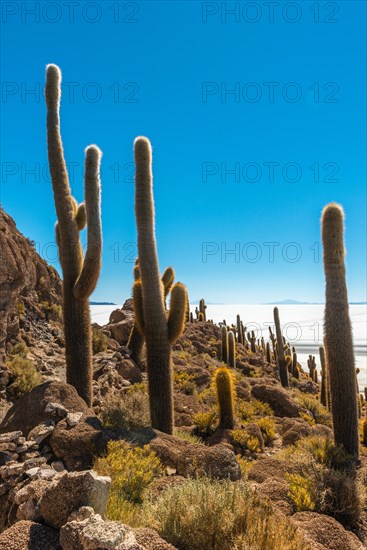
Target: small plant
99, 341
128, 411
301, 492
320, 413
193, 439
205, 423
185, 382
24, 375
246, 410
19, 349
20, 309
132, 470
51, 311
267, 427
245, 441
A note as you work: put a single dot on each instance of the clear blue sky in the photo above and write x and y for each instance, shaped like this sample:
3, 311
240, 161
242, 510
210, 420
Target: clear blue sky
162, 69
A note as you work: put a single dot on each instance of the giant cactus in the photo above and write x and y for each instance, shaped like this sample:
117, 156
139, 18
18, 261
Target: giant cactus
338, 341
159, 331
282, 364
80, 274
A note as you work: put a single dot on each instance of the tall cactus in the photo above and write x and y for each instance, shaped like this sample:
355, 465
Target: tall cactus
225, 392
159, 331
231, 349
80, 274
224, 334
338, 339
283, 369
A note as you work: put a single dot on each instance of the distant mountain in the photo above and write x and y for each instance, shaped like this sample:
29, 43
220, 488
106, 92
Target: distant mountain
102, 303
290, 302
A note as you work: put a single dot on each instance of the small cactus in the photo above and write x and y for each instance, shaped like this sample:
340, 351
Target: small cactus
295, 364
224, 334
239, 329
202, 308
268, 353
225, 393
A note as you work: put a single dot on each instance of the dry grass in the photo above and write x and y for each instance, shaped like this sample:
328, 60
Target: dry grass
218, 515
129, 411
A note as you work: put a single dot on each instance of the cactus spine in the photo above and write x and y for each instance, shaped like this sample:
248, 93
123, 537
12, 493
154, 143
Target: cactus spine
231, 349
225, 393
338, 339
159, 332
283, 369
80, 274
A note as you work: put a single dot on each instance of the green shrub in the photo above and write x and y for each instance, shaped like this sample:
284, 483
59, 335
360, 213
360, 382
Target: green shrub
245, 441
132, 470
267, 427
20, 309
246, 410
185, 382
203, 514
51, 311
19, 349
24, 375
301, 491
320, 414
205, 423
99, 341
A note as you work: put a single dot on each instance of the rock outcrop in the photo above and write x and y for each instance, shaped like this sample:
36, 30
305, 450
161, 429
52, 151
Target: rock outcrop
26, 282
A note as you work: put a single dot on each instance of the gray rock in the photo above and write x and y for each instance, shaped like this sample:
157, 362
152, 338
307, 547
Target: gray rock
71, 491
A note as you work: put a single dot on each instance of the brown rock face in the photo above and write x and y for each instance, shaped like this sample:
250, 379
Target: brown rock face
30, 410
326, 531
27, 534
277, 398
25, 280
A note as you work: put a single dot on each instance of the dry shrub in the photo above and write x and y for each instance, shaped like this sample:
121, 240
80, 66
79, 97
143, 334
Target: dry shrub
206, 514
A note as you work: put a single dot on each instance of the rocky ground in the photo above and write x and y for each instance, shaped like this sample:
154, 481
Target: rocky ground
50, 496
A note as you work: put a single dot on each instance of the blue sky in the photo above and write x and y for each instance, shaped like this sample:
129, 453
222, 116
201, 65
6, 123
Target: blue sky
292, 132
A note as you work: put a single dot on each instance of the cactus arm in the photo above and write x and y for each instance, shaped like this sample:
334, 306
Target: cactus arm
58, 171
138, 306
167, 280
81, 216
177, 312
88, 278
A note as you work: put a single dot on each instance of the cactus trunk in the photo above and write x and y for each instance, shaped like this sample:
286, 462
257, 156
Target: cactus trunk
338, 339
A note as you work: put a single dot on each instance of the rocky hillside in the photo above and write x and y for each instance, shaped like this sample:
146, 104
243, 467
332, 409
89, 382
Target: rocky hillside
76, 477
30, 289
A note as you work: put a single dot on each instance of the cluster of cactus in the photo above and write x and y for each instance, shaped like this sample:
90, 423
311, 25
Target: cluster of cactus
338, 340
160, 329
80, 273
251, 337
226, 400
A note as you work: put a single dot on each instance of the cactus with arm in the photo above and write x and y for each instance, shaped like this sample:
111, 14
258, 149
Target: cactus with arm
80, 274
159, 332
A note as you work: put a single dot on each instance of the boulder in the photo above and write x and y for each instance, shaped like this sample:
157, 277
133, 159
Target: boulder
271, 468
129, 371
117, 315
150, 540
29, 535
93, 533
326, 531
71, 491
30, 409
121, 331
77, 444
278, 398
188, 459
